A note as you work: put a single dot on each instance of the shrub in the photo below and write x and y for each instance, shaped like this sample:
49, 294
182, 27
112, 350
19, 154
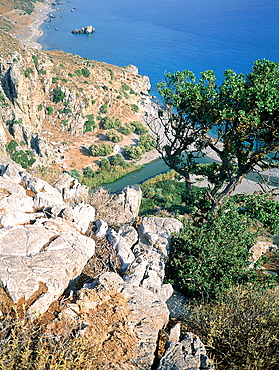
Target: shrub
78, 72
57, 95
103, 109
76, 174
133, 152
117, 160
135, 108
105, 164
241, 330
35, 60
55, 79
40, 107
110, 122
127, 129
208, 259
147, 143
140, 129
100, 149
85, 72
28, 72
262, 208
90, 124
24, 157
114, 136
49, 110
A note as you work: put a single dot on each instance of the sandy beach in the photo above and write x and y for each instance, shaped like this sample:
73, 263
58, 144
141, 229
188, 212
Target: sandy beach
27, 28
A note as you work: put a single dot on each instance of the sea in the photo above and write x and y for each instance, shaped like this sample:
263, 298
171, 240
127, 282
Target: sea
160, 36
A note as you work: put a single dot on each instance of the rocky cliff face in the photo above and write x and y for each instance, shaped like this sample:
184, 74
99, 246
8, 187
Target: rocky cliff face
48, 100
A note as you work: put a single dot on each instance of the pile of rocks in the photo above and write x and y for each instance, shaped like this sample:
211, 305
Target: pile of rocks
44, 248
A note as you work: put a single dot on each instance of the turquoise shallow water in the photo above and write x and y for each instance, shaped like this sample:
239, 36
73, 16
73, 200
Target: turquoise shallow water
166, 35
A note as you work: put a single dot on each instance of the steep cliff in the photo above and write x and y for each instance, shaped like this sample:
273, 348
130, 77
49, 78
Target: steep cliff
52, 102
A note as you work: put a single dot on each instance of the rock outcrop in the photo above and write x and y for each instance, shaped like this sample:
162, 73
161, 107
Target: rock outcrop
87, 30
45, 247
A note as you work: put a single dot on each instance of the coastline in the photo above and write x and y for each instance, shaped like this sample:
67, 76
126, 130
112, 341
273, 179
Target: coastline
28, 30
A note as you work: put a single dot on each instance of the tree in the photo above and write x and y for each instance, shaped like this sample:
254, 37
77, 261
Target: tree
238, 121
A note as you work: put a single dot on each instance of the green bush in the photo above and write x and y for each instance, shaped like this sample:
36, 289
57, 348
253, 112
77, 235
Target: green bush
208, 259
135, 108
146, 143
110, 122
133, 152
57, 95
117, 160
55, 79
105, 164
76, 174
100, 149
127, 129
24, 157
114, 136
90, 124
103, 109
28, 72
85, 72
140, 129
262, 208
35, 60
49, 110
241, 330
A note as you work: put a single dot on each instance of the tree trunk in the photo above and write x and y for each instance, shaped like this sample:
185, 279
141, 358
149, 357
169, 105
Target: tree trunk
229, 189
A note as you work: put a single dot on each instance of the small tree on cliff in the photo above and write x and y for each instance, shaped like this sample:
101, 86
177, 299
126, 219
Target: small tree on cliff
238, 121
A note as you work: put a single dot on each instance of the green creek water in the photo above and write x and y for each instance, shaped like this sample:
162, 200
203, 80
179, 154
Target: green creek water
158, 166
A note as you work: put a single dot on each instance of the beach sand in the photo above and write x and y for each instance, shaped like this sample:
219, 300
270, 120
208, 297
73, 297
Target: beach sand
27, 28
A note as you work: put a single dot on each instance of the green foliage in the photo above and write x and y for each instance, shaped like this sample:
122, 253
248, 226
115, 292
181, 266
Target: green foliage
55, 79
262, 208
241, 330
127, 129
40, 107
243, 113
42, 72
135, 107
140, 129
49, 110
76, 174
57, 95
103, 109
90, 124
110, 122
208, 259
133, 152
28, 72
35, 60
105, 164
24, 157
146, 143
78, 72
117, 160
70, 74
100, 149
85, 72
114, 136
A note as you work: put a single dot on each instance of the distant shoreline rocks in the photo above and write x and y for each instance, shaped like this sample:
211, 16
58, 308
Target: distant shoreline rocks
87, 30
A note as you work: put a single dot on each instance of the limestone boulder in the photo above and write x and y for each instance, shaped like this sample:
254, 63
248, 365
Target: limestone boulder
84, 214
187, 354
45, 195
70, 188
148, 315
128, 202
32, 256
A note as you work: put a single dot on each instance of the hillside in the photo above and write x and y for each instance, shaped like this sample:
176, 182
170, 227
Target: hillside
52, 102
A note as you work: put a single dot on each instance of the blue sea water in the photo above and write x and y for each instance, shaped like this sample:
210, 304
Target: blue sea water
161, 36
